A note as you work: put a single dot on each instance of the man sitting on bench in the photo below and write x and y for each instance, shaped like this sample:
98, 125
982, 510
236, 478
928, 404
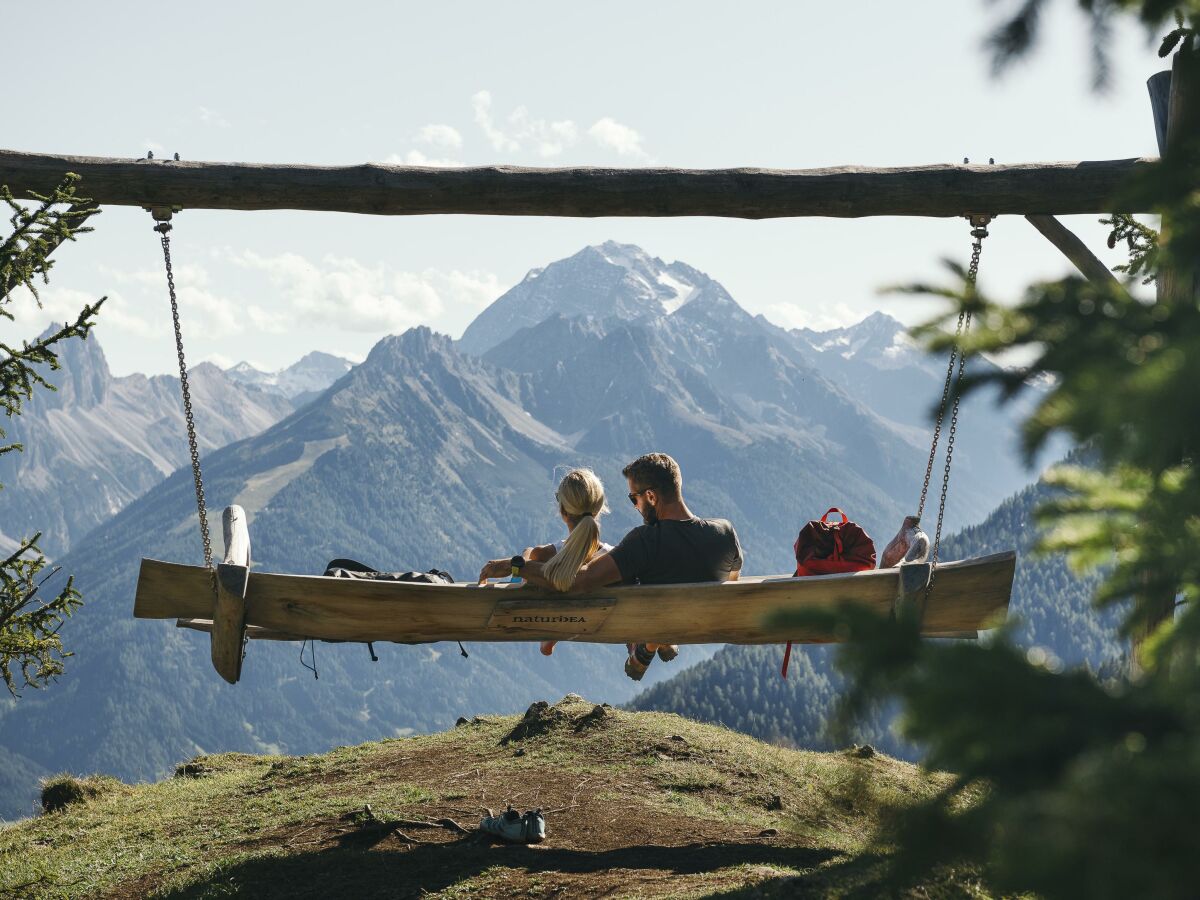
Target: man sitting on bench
672, 547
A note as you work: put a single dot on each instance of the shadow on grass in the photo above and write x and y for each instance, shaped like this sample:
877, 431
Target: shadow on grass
865, 876
356, 871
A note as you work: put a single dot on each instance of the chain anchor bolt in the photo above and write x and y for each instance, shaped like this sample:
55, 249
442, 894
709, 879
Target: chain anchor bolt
979, 223
162, 216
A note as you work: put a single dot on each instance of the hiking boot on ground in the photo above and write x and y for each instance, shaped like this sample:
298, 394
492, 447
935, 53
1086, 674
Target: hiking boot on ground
667, 652
640, 657
515, 828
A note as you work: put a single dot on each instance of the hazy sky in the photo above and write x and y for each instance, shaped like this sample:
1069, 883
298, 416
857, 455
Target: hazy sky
692, 84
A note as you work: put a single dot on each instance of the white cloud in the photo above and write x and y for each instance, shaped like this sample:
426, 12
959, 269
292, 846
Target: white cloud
220, 360
482, 104
61, 304
440, 136
547, 138
200, 307
522, 131
622, 139
417, 158
795, 315
211, 117
356, 297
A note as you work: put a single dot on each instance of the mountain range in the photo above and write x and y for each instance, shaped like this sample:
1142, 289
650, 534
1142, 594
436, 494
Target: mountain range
300, 382
98, 441
431, 453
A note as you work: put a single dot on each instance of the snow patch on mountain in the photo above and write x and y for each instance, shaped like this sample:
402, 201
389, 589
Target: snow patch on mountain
604, 281
683, 292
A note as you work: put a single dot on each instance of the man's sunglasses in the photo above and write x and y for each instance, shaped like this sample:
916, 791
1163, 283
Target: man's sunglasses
633, 497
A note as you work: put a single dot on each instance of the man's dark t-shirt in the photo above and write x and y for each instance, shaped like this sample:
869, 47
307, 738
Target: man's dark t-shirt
678, 551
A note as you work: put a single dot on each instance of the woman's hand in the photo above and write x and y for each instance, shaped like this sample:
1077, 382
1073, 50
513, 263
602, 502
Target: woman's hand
496, 568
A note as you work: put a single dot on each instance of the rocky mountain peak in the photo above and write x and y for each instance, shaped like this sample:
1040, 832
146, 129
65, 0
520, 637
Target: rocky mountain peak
608, 280
414, 347
879, 339
84, 379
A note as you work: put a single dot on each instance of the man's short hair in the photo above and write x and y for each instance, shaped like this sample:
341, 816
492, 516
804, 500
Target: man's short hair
657, 472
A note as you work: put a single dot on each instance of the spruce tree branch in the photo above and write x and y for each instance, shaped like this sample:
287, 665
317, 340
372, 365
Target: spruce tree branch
81, 212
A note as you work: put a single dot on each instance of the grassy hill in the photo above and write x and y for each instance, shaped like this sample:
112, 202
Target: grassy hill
636, 804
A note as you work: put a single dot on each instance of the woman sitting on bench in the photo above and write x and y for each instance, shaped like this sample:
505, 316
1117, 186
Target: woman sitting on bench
580, 497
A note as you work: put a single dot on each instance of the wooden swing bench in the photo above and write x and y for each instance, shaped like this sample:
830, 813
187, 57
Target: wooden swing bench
235, 604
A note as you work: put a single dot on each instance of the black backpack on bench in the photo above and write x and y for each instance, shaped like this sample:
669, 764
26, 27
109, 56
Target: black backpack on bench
352, 568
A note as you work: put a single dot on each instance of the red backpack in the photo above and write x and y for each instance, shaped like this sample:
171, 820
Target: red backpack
823, 548
827, 549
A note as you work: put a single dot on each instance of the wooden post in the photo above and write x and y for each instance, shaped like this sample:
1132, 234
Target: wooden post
1073, 249
1177, 281
228, 632
910, 594
1175, 112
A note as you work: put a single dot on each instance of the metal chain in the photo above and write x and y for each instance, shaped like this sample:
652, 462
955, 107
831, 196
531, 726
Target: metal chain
163, 228
941, 414
979, 232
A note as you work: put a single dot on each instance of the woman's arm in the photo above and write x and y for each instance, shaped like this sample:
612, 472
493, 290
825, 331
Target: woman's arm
502, 568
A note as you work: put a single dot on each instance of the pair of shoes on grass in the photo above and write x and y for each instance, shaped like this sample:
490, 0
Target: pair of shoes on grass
641, 655
514, 827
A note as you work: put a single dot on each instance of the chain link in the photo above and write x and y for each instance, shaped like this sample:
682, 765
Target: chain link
941, 414
978, 232
164, 228
965, 323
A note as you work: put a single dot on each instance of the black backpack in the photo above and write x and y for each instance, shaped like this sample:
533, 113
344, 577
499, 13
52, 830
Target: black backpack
350, 568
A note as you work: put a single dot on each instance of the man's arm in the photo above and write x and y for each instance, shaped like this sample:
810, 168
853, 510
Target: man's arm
600, 571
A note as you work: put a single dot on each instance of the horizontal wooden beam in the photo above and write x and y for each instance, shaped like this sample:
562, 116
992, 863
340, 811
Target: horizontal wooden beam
1057, 188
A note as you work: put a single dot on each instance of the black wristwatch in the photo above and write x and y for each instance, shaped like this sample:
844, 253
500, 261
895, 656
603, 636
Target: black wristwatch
517, 563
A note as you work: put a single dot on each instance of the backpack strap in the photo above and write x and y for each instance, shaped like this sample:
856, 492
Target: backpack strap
834, 509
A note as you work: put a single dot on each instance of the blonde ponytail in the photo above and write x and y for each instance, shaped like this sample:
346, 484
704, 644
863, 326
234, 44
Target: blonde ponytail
580, 545
581, 498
